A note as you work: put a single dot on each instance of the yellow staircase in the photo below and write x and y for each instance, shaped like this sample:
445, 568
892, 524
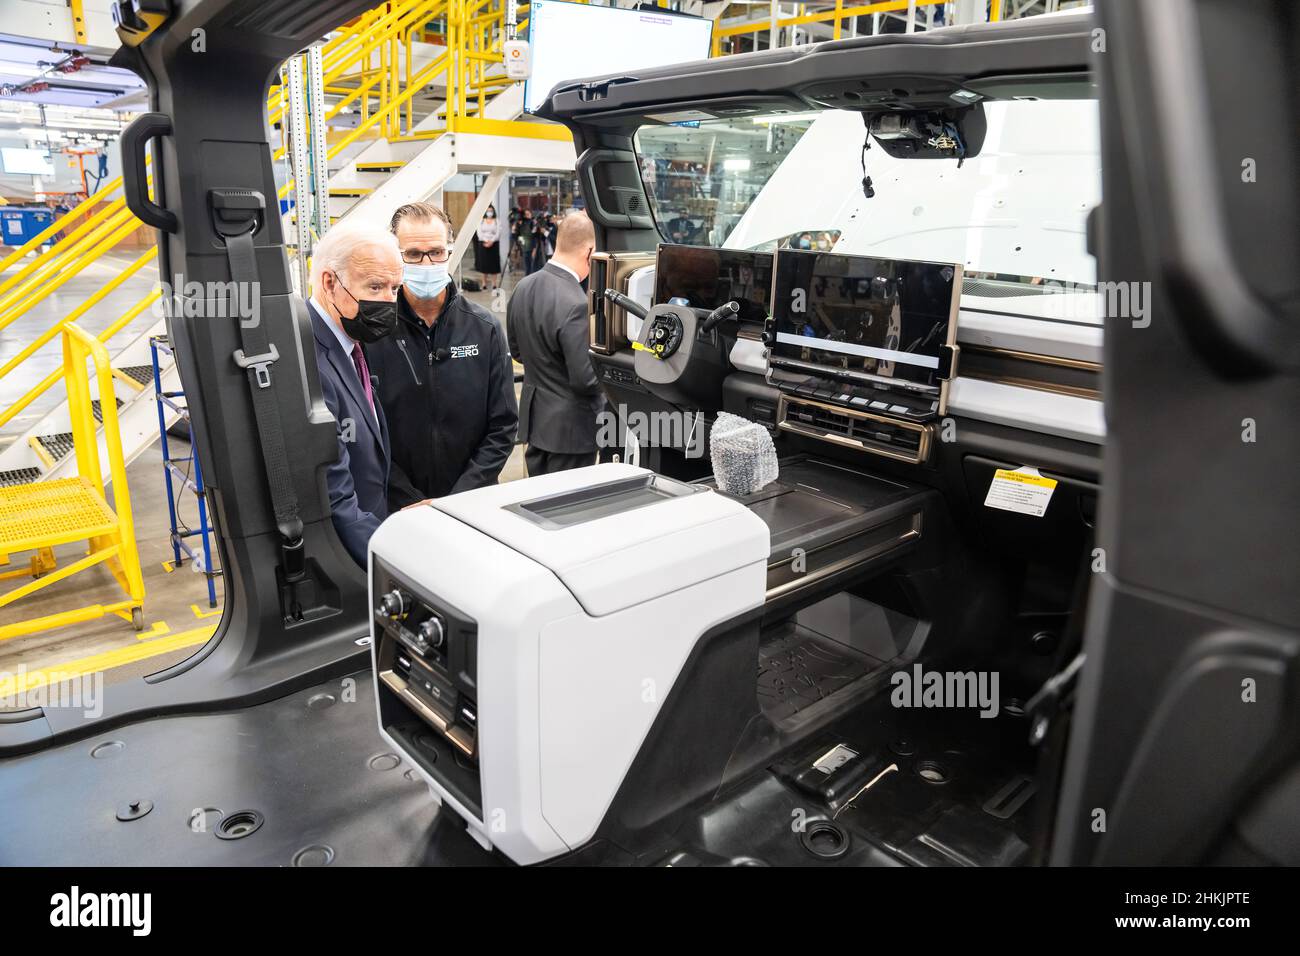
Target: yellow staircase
40, 516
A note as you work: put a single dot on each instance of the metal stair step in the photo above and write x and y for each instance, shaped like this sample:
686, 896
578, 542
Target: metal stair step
99, 412
19, 476
141, 373
55, 446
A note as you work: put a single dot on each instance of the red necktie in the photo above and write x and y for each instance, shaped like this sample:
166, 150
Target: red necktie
363, 373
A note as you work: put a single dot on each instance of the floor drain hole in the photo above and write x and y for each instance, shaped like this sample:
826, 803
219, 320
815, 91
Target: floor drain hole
239, 824
932, 772
824, 839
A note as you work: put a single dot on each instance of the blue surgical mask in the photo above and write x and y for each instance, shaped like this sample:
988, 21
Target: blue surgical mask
425, 282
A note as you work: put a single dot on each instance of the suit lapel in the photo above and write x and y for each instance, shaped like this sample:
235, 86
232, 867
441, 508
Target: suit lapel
347, 373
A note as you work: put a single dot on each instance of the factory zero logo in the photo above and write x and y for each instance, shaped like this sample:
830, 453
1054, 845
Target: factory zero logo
464, 351
76, 909
211, 300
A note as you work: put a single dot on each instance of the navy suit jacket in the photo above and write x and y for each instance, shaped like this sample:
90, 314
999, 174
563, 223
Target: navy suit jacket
358, 480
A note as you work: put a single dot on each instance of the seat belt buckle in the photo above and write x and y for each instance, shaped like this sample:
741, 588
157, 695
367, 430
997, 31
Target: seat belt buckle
260, 364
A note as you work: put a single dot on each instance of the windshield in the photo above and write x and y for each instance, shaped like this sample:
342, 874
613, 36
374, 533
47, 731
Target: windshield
1013, 216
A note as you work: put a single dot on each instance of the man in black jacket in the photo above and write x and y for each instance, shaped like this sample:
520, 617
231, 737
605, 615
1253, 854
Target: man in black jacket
445, 379
546, 324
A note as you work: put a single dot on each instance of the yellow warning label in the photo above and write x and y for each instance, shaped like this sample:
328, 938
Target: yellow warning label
1024, 478
1022, 490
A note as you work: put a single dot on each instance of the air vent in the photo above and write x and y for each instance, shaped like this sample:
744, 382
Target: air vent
993, 289
892, 438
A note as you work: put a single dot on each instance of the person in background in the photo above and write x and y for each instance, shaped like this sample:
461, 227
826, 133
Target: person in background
487, 254
539, 246
524, 240
445, 379
680, 228
546, 325
552, 234
355, 277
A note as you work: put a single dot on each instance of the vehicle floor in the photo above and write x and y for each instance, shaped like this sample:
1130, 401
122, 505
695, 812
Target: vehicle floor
940, 787
328, 790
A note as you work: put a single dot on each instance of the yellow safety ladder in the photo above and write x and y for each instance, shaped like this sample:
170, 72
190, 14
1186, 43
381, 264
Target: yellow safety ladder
43, 515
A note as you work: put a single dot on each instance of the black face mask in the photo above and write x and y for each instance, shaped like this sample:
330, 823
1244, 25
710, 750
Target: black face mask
374, 319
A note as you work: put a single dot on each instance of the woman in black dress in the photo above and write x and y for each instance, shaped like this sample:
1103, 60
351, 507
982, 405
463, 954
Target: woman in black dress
487, 251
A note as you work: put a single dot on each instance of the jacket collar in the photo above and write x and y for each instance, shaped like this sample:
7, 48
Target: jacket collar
558, 270
407, 313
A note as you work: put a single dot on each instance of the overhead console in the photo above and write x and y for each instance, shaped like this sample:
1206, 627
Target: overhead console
863, 349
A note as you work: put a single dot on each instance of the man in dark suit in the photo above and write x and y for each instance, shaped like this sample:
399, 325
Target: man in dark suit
356, 275
546, 325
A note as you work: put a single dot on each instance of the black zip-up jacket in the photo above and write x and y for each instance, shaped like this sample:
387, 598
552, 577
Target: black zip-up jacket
448, 393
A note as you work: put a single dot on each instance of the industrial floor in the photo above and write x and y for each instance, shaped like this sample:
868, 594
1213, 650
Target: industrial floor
305, 780
178, 619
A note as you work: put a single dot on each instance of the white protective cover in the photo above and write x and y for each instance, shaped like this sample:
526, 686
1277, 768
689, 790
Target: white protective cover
582, 633
624, 559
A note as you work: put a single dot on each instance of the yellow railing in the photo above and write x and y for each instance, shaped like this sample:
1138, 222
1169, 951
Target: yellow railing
353, 58
475, 31
42, 516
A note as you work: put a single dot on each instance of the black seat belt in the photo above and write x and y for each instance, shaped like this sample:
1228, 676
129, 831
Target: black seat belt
236, 216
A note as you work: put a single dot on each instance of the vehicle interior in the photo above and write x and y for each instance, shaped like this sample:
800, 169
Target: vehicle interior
1125, 308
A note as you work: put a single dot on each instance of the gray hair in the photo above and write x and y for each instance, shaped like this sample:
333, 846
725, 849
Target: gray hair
338, 247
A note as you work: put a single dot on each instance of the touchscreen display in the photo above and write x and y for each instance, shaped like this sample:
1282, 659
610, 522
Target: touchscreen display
705, 278
877, 317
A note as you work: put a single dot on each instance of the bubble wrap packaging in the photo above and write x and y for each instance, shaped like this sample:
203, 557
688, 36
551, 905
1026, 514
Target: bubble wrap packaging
744, 458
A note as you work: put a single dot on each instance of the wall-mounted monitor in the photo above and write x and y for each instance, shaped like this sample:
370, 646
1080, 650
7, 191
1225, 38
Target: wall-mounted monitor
883, 319
705, 277
26, 162
568, 41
